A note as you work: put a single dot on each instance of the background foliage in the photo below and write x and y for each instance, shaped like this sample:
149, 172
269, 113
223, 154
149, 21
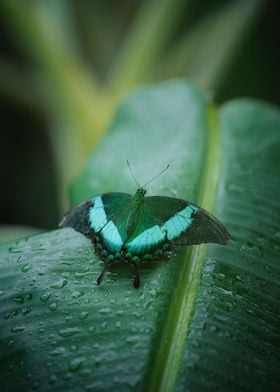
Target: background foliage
65, 65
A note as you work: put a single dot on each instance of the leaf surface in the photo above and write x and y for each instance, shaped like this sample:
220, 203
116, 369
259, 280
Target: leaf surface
206, 317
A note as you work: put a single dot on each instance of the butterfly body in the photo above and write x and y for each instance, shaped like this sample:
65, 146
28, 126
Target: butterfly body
137, 202
136, 229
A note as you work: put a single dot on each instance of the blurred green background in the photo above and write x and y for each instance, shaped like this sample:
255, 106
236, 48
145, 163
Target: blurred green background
65, 66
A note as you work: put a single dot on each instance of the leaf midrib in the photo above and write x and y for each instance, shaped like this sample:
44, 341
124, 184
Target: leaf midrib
172, 341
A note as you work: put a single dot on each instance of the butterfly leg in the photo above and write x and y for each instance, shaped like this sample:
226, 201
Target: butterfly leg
136, 282
101, 276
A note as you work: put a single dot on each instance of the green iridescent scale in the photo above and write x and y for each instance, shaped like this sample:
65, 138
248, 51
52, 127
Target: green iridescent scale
137, 229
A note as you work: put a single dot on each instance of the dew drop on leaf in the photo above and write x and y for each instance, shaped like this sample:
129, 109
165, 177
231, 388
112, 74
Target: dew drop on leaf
76, 363
26, 267
52, 379
59, 284
91, 329
104, 311
13, 249
11, 343
44, 297
70, 331
77, 294
35, 386
118, 324
83, 315
53, 306
57, 351
18, 328
74, 348
104, 325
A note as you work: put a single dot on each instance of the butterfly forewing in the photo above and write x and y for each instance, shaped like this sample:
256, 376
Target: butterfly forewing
108, 217
205, 228
105, 215
77, 218
154, 225
164, 219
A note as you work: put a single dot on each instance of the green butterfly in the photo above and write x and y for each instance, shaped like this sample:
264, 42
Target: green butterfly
136, 229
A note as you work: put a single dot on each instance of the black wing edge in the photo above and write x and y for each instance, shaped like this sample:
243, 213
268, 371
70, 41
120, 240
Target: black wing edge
78, 218
205, 228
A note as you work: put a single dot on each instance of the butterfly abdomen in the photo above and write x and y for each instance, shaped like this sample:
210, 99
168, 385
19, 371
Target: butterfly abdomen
132, 221
124, 255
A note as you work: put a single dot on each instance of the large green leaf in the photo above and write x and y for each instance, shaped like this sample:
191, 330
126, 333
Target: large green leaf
206, 319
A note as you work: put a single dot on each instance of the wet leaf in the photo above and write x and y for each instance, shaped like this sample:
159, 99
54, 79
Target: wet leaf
205, 319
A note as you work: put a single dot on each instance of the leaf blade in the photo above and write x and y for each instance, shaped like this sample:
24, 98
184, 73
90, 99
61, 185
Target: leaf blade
235, 321
87, 335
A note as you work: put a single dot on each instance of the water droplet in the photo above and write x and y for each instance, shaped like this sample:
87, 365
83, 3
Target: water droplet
76, 363
52, 379
53, 306
70, 331
118, 324
18, 328
74, 348
91, 329
77, 294
120, 312
85, 372
10, 315
132, 339
26, 267
59, 284
25, 311
1, 293
57, 351
35, 385
67, 376
268, 268
104, 311
19, 299
44, 297
83, 315
11, 343
14, 250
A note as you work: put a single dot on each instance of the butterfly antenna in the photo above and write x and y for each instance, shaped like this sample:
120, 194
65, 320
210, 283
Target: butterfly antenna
132, 174
158, 175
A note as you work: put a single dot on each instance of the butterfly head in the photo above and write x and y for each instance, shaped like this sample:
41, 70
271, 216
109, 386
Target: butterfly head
141, 192
140, 195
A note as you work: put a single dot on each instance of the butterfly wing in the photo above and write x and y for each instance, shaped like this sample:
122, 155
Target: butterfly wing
108, 217
77, 218
105, 215
164, 219
205, 228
